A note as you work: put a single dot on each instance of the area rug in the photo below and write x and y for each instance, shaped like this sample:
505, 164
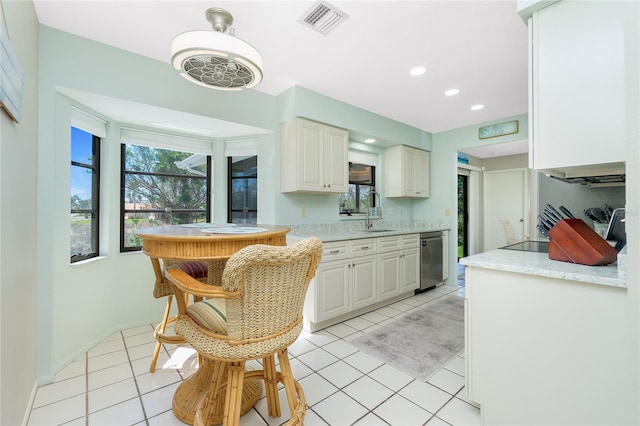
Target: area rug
422, 342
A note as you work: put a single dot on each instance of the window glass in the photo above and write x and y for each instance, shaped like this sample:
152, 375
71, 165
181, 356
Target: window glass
243, 190
361, 182
162, 187
85, 187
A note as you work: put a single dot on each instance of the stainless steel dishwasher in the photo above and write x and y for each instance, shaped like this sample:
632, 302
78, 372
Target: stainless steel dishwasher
430, 260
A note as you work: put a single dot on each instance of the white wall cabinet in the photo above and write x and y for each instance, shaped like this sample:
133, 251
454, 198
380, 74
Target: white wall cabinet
577, 111
406, 172
313, 157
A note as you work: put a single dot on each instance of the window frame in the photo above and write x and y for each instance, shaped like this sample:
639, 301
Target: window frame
230, 179
124, 173
94, 211
357, 185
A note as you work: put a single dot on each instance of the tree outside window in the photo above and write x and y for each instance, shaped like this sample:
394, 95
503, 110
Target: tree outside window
85, 195
243, 190
361, 183
162, 187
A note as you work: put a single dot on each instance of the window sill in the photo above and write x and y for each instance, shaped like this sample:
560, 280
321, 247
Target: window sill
356, 216
87, 261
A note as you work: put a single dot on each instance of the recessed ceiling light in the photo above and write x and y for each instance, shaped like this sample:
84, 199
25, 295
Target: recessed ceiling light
370, 140
452, 92
417, 71
477, 107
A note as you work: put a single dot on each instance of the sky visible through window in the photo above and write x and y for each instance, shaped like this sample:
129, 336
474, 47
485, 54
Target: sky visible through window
81, 147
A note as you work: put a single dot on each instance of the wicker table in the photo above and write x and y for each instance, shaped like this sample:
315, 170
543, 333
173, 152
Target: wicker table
190, 243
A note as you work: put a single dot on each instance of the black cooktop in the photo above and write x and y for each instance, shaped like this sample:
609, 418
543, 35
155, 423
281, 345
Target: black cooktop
537, 246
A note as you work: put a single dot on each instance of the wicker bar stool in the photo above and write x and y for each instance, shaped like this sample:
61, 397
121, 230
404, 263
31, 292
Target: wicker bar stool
255, 314
205, 272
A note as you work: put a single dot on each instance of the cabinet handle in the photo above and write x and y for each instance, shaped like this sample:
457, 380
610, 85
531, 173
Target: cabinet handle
334, 251
364, 248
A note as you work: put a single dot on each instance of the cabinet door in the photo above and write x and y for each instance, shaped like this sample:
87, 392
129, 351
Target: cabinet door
388, 273
310, 166
578, 101
363, 281
422, 173
410, 270
332, 289
408, 171
336, 160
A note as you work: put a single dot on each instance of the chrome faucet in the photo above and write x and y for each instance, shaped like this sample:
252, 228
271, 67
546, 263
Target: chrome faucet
367, 220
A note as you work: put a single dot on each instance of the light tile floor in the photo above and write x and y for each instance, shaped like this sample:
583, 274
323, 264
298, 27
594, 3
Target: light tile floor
111, 384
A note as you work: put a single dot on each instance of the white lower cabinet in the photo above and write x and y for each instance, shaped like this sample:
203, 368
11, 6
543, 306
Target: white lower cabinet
363, 277
543, 350
399, 265
362, 274
409, 270
332, 289
347, 280
389, 267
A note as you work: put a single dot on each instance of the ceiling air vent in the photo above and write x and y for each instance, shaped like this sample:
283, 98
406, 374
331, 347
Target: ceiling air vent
323, 17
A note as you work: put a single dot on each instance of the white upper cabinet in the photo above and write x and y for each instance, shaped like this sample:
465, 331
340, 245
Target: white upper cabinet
313, 157
577, 79
406, 172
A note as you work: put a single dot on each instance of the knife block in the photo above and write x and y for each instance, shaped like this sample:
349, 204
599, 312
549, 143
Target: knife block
574, 241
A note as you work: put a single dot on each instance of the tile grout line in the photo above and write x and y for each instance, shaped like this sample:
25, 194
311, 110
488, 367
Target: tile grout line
86, 388
135, 380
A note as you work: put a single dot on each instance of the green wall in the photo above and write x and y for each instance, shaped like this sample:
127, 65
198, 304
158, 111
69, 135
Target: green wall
18, 228
80, 304
442, 203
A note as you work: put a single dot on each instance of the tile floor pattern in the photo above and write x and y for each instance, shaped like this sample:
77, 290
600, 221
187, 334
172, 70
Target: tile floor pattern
111, 384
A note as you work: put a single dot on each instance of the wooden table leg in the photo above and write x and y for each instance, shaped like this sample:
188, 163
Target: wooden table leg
194, 388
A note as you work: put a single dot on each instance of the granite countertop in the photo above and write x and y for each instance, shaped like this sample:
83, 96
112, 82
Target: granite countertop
355, 229
533, 263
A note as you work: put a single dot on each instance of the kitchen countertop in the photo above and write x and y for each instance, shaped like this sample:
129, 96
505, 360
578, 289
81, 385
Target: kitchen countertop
533, 263
355, 229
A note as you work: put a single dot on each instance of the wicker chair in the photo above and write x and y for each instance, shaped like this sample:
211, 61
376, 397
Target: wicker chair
204, 272
255, 314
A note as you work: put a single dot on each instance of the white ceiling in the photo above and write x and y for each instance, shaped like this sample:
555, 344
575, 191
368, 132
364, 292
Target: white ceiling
479, 47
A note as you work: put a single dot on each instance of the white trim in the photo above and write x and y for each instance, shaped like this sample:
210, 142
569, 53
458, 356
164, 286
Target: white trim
241, 148
469, 167
165, 141
89, 123
361, 157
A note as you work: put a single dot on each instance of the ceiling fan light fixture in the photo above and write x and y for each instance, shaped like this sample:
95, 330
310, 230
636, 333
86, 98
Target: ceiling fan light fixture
215, 59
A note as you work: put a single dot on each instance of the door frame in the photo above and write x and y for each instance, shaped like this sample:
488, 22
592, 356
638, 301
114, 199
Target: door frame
526, 200
474, 210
